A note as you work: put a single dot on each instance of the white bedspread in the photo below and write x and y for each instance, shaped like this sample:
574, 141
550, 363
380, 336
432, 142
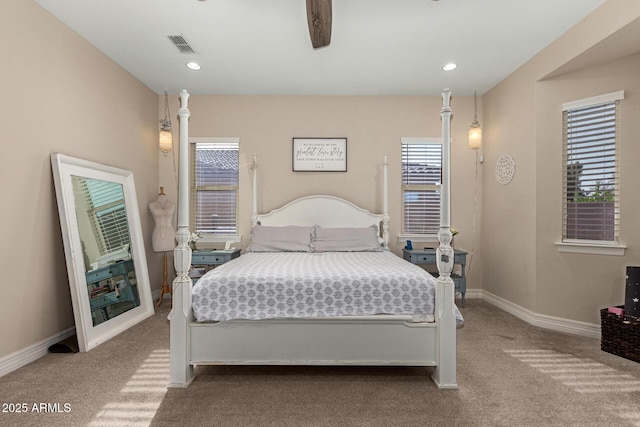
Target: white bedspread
298, 285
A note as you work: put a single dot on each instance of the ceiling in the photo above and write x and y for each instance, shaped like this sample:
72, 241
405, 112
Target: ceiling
378, 47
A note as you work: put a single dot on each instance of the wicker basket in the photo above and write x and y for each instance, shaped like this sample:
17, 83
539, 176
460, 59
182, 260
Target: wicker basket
620, 335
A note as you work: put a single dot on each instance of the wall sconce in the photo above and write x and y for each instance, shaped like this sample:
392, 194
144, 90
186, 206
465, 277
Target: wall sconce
475, 131
166, 138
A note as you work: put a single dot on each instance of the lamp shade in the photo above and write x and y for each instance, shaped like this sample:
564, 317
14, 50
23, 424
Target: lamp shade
475, 137
166, 141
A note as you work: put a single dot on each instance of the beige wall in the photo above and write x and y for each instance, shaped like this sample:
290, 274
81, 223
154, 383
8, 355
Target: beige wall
373, 126
573, 285
522, 220
59, 94
508, 225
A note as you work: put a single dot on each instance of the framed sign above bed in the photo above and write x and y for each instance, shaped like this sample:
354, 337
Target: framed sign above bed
319, 154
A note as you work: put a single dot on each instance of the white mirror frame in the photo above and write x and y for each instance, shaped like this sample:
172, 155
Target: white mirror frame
89, 336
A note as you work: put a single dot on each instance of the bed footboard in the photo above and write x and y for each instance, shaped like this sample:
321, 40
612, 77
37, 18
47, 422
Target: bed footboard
377, 341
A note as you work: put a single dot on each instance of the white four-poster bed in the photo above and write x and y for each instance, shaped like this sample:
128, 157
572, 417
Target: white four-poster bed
365, 340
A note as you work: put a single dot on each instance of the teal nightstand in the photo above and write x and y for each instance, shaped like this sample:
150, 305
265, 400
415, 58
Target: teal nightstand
205, 260
428, 257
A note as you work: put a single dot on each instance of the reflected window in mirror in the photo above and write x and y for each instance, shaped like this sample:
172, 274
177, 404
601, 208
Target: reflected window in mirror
102, 219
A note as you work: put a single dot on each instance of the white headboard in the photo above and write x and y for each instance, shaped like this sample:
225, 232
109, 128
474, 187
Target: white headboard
325, 211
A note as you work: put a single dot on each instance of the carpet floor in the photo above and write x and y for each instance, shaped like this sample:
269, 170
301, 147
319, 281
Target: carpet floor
509, 373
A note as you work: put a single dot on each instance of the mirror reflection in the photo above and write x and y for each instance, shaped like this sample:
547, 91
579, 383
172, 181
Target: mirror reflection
106, 247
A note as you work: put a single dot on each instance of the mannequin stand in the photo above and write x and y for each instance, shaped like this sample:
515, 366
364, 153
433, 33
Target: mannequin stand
166, 289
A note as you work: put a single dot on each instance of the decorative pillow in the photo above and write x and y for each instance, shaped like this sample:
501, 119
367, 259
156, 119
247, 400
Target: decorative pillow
291, 238
346, 239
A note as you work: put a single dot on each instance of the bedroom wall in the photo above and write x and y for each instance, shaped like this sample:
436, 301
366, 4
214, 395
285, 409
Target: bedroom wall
59, 94
509, 259
373, 126
596, 281
522, 220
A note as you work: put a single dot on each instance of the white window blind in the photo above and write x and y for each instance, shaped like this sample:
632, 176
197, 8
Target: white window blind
591, 172
107, 213
214, 199
421, 184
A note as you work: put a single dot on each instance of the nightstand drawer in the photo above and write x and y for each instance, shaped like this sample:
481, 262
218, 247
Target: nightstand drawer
111, 298
420, 258
98, 276
209, 259
424, 259
106, 272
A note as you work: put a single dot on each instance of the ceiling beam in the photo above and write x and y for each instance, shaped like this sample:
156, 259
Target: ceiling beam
319, 20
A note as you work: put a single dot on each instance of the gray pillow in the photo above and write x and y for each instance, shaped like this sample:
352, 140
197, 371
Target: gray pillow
346, 239
291, 238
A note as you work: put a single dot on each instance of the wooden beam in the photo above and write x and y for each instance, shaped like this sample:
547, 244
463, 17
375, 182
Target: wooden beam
319, 20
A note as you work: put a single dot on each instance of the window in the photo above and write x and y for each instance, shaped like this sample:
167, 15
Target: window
214, 199
105, 206
421, 183
591, 211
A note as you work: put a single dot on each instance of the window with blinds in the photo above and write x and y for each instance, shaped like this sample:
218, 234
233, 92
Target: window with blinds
214, 199
421, 183
591, 172
105, 201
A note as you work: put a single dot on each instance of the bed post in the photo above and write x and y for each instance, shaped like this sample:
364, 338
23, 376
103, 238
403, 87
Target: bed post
254, 192
181, 371
444, 374
385, 202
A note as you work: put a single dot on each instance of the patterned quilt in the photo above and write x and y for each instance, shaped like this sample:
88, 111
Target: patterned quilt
297, 285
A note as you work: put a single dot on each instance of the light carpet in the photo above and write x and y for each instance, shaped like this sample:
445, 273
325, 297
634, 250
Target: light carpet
509, 373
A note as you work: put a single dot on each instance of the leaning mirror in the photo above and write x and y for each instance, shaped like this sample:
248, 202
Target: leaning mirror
103, 246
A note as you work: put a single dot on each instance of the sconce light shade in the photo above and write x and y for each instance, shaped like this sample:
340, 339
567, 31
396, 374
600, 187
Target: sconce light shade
475, 136
166, 141
475, 131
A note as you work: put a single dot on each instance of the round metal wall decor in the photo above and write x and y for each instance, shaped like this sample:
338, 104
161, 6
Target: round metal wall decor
505, 168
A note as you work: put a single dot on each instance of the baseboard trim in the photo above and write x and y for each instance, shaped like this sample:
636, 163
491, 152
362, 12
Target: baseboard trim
40, 349
31, 353
553, 323
474, 293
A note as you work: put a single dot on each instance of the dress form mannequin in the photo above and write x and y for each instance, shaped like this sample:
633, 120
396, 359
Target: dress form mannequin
163, 238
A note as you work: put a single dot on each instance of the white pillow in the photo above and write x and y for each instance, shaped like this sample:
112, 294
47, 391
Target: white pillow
346, 239
291, 238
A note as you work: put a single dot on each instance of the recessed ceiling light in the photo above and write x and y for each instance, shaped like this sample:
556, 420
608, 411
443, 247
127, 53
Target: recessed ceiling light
194, 66
450, 66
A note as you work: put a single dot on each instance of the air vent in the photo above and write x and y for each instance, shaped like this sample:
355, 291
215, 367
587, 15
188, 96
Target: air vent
181, 44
